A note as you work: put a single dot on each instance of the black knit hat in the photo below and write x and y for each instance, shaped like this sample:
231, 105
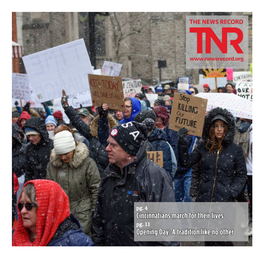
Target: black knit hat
129, 136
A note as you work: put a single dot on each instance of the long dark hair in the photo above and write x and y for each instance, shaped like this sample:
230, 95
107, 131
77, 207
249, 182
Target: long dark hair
214, 144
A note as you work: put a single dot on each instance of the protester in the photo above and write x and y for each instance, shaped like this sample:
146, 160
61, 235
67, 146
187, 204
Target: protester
59, 117
158, 139
51, 124
45, 218
206, 87
23, 118
218, 153
130, 177
38, 151
15, 116
141, 96
162, 117
118, 115
151, 90
159, 91
221, 89
194, 90
77, 174
96, 148
132, 108
85, 115
231, 88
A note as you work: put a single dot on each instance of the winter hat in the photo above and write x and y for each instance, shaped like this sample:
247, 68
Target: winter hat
206, 85
63, 142
83, 111
160, 102
159, 89
51, 120
53, 208
166, 87
30, 131
130, 136
15, 113
139, 95
161, 112
57, 114
142, 115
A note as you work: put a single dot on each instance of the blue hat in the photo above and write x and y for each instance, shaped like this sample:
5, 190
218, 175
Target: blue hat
159, 88
50, 120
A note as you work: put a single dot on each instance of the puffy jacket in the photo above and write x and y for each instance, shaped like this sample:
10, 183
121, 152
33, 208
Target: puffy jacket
158, 140
96, 149
136, 108
69, 233
37, 155
140, 180
222, 176
80, 180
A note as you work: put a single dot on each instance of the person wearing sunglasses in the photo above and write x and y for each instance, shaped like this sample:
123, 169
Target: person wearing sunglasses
44, 217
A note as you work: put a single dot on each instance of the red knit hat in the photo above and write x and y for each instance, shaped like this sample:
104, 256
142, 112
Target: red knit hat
57, 114
206, 85
53, 208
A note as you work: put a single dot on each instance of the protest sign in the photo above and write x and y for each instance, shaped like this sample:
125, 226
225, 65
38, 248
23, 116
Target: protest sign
151, 97
189, 112
62, 67
20, 86
229, 73
156, 156
245, 89
212, 81
80, 98
111, 69
131, 88
107, 89
183, 86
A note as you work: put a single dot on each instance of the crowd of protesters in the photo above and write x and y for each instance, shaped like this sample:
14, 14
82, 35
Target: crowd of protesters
76, 184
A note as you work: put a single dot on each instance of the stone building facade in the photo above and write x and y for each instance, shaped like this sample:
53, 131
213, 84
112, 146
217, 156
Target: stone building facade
137, 40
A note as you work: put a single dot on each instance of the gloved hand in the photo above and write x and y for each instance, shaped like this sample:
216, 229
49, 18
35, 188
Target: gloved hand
182, 133
44, 105
103, 110
16, 103
64, 99
26, 107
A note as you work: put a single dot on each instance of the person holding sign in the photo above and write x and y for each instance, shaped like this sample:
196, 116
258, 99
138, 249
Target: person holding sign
223, 172
130, 177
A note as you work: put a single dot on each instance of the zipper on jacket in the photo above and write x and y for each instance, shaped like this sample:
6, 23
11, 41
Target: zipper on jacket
215, 175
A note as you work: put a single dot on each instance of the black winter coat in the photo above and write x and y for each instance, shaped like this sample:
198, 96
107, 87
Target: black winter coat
222, 176
142, 180
37, 155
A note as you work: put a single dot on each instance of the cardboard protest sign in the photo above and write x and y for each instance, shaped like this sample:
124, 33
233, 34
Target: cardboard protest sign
107, 89
131, 88
20, 86
62, 67
111, 69
151, 97
156, 156
189, 112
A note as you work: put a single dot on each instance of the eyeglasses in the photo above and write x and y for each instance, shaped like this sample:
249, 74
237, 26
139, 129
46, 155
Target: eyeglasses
128, 106
27, 205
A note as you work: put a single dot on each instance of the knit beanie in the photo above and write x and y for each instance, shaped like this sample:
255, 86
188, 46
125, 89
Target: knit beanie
57, 114
206, 85
130, 136
53, 208
159, 89
30, 131
51, 120
15, 113
63, 142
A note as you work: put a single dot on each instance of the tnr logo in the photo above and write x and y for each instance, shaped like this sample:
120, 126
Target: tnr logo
209, 34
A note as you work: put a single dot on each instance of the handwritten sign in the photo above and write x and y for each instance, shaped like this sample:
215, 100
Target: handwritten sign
111, 69
156, 156
131, 88
245, 89
20, 86
107, 89
62, 67
189, 112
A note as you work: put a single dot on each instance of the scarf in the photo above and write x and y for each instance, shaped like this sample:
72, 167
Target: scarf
53, 209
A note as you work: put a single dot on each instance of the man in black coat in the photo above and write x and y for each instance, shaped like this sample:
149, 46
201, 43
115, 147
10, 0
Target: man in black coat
38, 151
130, 177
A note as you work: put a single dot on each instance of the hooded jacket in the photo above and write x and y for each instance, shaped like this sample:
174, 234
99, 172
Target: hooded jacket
141, 180
136, 108
80, 180
37, 155
96, 148
24, 115
55, 225
222, 176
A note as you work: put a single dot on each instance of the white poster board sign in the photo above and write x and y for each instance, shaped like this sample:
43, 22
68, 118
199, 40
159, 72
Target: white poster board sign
111, 69
62, 67
20, 86
151, 97
131, 88
183, 86
83, 98
211, 81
